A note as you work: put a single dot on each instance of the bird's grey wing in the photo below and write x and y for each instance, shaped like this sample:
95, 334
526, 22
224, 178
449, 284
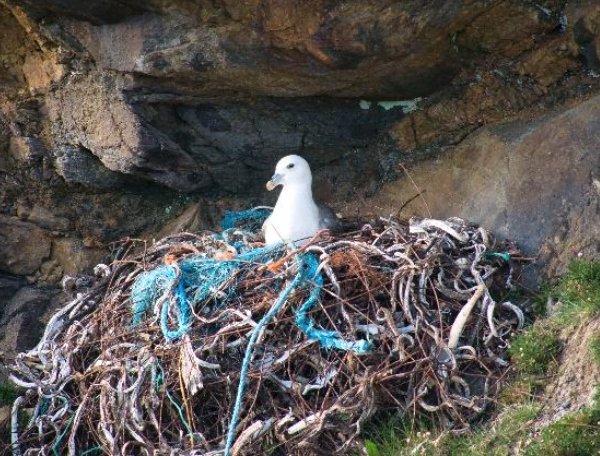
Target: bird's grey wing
328, 219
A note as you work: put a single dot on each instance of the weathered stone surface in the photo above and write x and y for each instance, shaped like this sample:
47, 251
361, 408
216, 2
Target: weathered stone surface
73, 257
108, 110
76, 165
9, 285
575, 384
96, 11
586, 27
533, 182
50, 273
44, 218
239, 143
193, 219
108, 127
26, 149
40, 72
23, 246
495, 95
219, 144
310, 48
21, 319
166, 97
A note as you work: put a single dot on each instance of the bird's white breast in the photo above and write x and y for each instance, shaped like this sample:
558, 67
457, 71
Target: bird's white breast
295, 218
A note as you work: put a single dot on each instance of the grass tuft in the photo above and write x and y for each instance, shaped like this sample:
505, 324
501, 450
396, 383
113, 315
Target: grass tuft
507, 433
394, 436
595, 348
535, 350
8, 394
579, 291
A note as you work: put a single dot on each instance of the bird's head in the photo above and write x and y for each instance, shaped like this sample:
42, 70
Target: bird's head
290, 171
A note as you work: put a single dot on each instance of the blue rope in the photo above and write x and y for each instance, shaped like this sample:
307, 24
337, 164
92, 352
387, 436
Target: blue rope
184, 314
61, 436
248, 357
174, 402
251, 219
327, 339
200, 276
307, 275
147, 288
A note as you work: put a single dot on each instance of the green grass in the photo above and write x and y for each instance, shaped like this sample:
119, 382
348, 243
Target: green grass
535, 350
579, 292
399, 438
595, 348
540, 299
508, 431
576, 434
521, 390
8, 394
393, 436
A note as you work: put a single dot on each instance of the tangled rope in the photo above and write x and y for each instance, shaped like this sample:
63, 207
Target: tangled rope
149, 360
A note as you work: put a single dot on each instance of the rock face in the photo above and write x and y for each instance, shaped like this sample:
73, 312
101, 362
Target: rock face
535, 181
312, 48
133, 118
23, 246
195, 96
21, 319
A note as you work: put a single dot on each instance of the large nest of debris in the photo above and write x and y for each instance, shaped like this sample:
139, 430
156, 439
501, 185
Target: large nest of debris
210, 343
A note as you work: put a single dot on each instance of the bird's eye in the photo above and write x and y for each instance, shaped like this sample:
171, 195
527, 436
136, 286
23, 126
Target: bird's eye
290, 166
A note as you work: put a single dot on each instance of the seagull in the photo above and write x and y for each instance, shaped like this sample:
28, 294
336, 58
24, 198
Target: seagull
296, 217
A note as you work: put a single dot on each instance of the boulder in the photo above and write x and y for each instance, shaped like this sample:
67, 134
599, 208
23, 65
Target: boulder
74, 257
312, 48
44, 218
215, 144
9, 285
191, 220
534, 182
40, 73
25, 149
21, 319
80, 166
23, 246
95, 11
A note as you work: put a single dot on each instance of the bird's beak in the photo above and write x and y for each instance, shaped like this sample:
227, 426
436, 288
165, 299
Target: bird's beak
274, 182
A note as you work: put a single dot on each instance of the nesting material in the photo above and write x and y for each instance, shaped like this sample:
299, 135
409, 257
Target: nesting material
407, 317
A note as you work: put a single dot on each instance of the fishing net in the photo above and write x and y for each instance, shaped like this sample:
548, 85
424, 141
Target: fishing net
212, 343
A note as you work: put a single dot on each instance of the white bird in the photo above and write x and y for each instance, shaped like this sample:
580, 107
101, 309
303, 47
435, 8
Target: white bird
296, 217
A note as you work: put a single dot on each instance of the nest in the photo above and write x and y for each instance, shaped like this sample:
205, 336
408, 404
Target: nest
405, 317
